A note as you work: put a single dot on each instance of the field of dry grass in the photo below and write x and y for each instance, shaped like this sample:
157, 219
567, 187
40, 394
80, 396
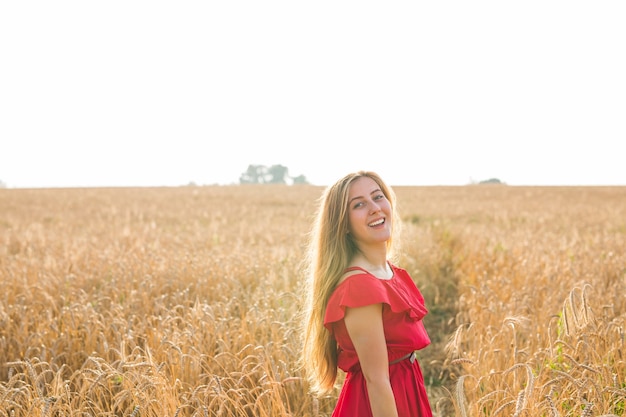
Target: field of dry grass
184, 301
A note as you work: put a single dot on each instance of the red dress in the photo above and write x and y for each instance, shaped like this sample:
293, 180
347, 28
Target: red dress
403, 310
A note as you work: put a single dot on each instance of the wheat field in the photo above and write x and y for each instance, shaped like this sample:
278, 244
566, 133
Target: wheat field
185, 301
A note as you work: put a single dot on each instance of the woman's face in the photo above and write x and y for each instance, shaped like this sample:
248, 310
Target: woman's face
369, 212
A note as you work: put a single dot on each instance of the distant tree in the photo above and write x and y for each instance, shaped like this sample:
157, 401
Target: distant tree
491, 181
276, 174
300, 179
255, 174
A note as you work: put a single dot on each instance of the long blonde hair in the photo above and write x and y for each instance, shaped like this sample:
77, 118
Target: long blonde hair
331, 248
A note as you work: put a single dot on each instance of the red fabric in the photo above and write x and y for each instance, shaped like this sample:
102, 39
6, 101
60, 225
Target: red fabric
403, 310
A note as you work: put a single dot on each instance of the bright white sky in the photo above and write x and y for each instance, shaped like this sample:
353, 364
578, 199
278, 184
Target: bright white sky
149, 93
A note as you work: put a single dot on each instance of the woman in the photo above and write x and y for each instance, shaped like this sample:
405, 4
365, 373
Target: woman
364, 314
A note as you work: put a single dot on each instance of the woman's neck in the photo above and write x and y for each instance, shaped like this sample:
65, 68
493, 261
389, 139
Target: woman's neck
374, 263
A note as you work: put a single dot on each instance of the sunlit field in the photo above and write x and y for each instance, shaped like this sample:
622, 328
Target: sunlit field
186, 301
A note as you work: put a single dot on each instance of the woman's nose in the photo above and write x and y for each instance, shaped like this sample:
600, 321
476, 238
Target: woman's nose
374, 207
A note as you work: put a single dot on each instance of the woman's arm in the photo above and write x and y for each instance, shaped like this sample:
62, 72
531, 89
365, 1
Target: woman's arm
365, 327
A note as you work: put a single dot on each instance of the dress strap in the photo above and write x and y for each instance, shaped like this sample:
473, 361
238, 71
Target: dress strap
365, 271
356, 268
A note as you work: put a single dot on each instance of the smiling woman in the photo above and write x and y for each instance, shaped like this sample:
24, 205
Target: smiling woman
364, 313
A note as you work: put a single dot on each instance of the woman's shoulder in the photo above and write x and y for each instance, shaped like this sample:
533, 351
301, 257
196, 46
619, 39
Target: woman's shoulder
357, 283
354, 271
356, 289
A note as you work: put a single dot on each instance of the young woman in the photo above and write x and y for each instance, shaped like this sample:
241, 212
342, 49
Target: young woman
364, 314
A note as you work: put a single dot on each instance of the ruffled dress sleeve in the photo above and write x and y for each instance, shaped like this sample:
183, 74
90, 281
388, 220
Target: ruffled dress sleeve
403, 310
360, 290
